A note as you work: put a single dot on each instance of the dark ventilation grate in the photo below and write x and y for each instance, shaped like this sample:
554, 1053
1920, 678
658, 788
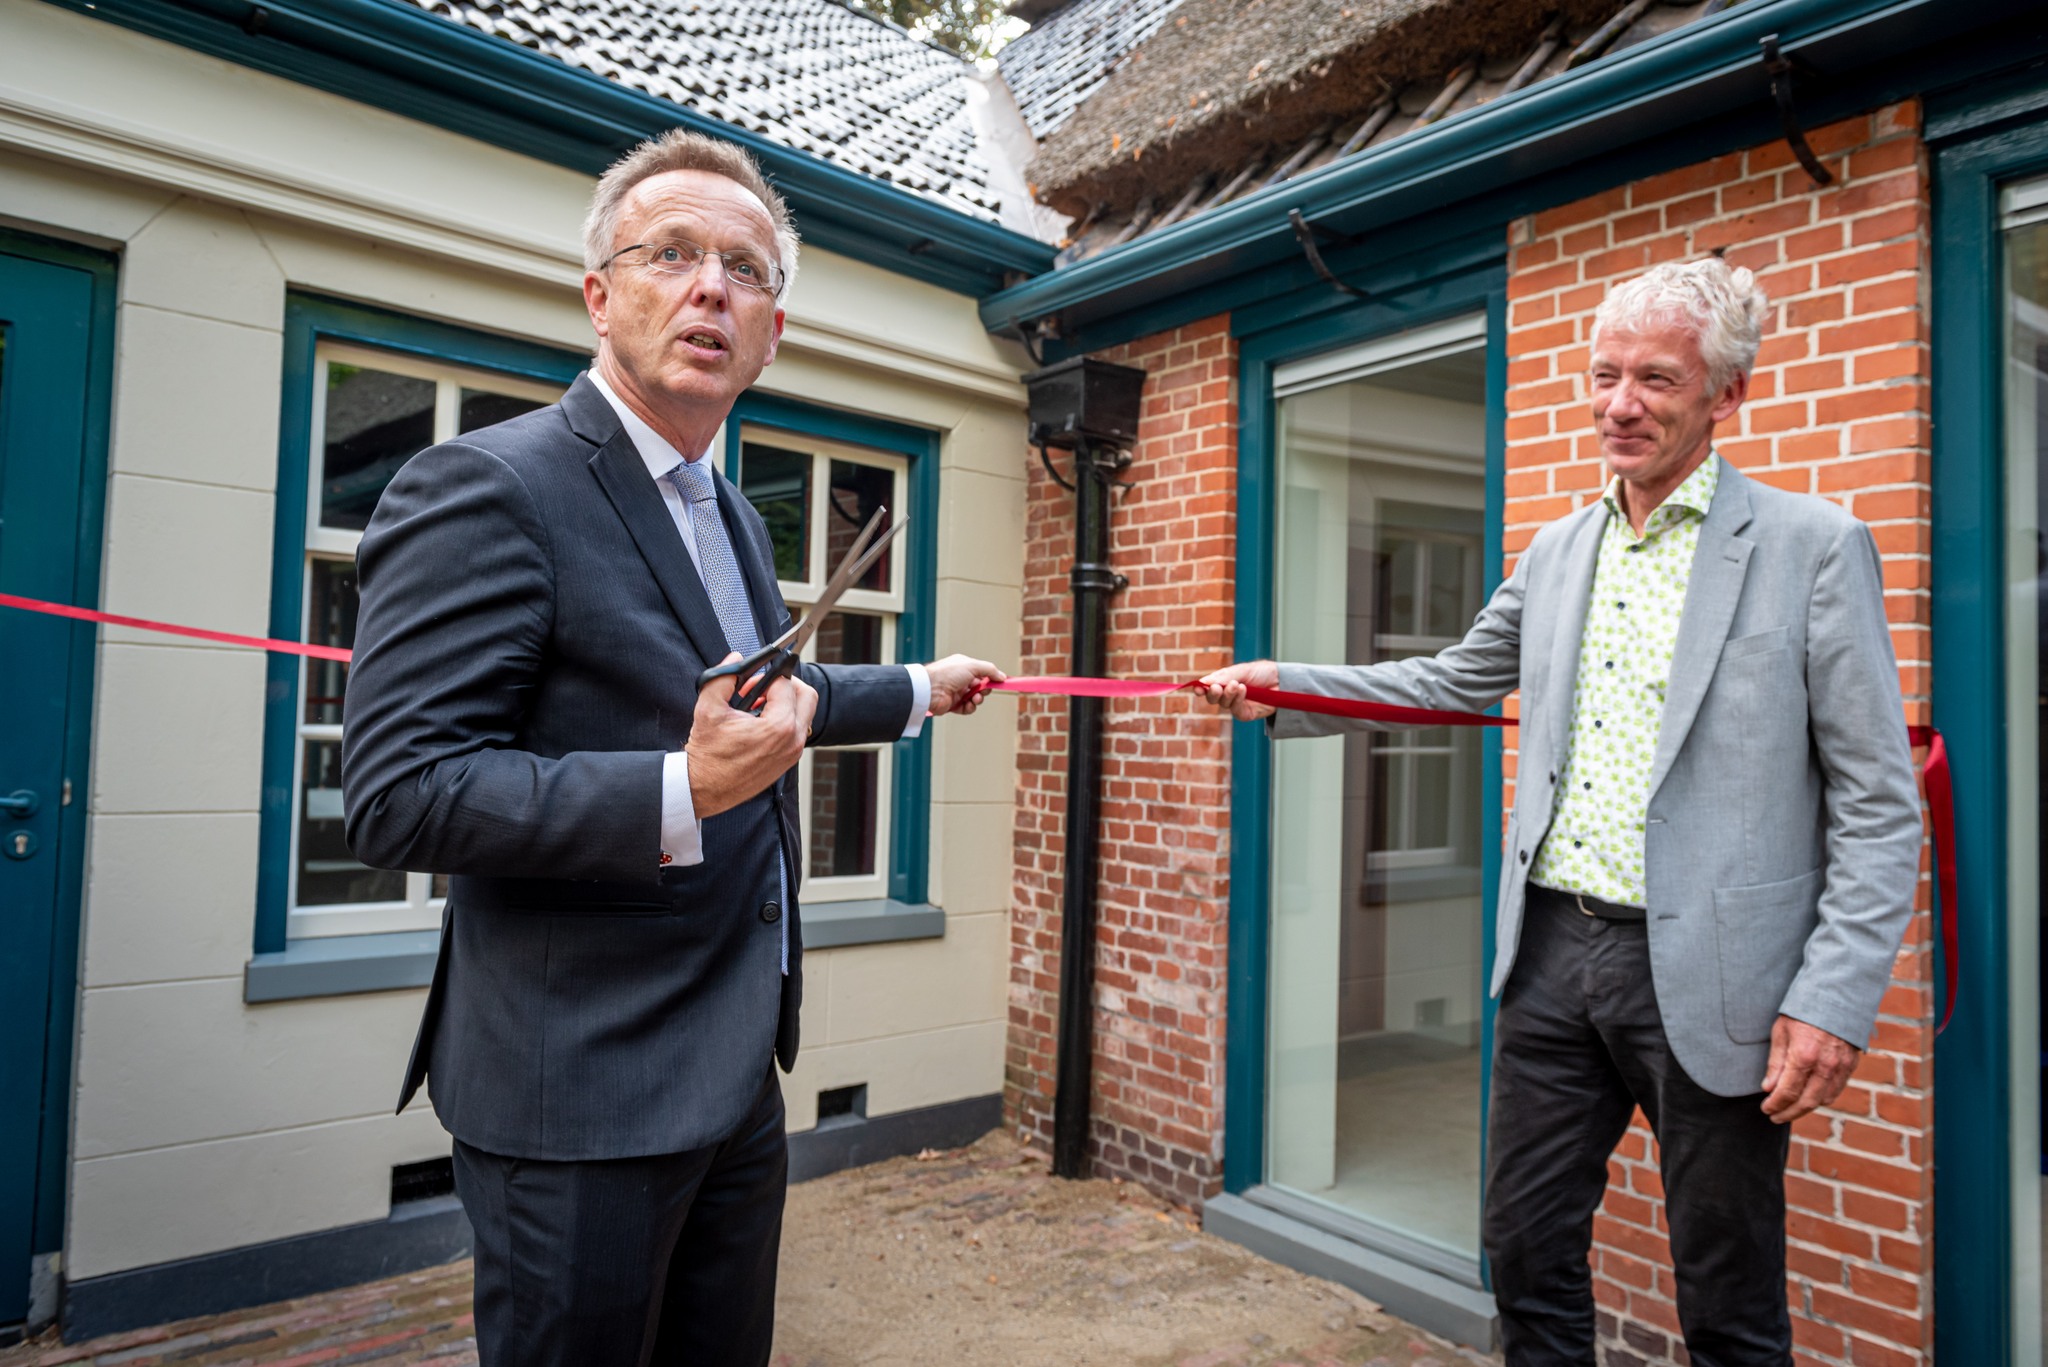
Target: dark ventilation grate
422, 1181
842, 1105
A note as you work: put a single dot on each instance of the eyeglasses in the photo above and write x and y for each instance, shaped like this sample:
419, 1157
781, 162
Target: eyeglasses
680, 256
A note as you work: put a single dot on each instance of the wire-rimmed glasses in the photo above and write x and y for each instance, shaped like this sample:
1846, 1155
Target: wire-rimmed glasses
680, 256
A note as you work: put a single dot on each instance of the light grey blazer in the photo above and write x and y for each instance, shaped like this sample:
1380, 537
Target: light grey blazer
1783, 840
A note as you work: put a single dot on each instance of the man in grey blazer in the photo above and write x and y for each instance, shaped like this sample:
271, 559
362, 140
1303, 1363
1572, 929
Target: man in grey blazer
621, 959
1715, 837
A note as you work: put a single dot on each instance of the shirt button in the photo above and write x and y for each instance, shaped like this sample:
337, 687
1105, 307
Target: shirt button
1589, 787
1577, 844
771, 912
1610, 664
1623, 606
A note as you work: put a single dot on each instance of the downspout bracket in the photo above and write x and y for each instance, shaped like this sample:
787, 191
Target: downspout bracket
1779, 67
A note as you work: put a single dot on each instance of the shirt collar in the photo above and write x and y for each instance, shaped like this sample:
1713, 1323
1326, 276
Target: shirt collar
1695, 495
655, 452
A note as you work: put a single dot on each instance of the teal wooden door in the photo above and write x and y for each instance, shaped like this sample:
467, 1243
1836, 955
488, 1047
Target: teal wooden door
48, 428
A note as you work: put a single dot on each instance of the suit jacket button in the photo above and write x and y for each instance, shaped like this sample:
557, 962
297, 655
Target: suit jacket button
771, 912
1523, 856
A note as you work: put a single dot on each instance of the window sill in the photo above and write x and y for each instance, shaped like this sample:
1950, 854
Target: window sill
340, 965
835, 925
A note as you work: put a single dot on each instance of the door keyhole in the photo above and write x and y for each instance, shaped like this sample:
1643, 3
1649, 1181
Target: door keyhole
20, 845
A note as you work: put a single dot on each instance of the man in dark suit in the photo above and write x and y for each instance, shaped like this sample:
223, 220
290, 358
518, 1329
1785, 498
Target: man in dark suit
621, 959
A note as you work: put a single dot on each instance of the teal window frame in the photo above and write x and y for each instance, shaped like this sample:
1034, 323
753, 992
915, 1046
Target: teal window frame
1995, 133
911, 779
309, 321
1460, 277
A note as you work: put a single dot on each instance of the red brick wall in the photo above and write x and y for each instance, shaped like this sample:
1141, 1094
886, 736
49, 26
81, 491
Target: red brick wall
1839, 407
1163, 884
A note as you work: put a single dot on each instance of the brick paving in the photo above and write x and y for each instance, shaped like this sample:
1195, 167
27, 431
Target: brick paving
975, 1256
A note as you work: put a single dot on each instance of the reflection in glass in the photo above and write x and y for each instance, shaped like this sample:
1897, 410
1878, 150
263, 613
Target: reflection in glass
843, 808
857, 490
1373, 1098
331, 605
845, 783
778, 484
328, 874
481, 408
375, 422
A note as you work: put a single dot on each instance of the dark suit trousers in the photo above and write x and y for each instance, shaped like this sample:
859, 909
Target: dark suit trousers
627, 1262
1578, 1044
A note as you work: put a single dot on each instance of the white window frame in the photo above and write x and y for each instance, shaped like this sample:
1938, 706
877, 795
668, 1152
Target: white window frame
420, 909
888, 604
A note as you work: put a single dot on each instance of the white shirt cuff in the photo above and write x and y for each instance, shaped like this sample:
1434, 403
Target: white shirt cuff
920, 700
682, 840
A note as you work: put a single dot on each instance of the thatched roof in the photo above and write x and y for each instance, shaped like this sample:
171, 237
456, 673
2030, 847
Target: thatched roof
1229, 83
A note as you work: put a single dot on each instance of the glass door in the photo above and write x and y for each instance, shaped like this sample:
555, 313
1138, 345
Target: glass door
1374, 1067
2025, 242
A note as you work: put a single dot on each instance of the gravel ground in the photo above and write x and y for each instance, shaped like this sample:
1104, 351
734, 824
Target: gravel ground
970, 1257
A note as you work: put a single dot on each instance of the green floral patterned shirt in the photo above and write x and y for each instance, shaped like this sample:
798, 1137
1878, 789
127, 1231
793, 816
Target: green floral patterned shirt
1595, 845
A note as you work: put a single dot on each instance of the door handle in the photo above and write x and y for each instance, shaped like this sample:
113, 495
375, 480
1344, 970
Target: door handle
20, 804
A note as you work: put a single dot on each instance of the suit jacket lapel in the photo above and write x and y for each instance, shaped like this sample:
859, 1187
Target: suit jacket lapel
1575, 595
623, 475
1719, 565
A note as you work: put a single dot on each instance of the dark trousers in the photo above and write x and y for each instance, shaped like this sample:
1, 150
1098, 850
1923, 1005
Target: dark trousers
1578, 1044
627, 1262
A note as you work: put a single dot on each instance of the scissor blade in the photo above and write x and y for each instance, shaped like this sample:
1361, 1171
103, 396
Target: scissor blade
859, 559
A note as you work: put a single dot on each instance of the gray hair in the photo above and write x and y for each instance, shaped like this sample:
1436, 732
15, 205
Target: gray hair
1722, 304
679, 149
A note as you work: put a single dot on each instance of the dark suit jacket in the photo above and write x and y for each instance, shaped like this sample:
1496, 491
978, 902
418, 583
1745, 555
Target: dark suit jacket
531, 632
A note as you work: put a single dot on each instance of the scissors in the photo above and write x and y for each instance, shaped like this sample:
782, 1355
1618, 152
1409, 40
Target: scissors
780, 657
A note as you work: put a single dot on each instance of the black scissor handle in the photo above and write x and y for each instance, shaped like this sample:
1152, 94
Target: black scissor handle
755, 673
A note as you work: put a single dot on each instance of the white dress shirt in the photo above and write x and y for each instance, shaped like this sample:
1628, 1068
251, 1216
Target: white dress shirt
681, 840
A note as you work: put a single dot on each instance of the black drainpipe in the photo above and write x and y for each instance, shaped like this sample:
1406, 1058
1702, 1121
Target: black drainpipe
1090, 407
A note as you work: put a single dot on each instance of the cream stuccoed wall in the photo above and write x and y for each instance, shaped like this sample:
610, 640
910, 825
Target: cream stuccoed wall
201, 1123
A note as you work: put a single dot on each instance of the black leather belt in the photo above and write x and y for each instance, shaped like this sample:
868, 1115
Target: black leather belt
1584, 904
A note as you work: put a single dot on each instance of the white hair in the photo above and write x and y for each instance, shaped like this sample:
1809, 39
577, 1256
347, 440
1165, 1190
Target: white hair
1722, 304
682, 150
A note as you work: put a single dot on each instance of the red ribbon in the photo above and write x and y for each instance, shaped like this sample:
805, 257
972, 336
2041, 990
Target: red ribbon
226, 638
1940, 789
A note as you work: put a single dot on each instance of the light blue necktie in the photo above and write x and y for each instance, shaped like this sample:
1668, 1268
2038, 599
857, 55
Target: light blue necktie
727, 587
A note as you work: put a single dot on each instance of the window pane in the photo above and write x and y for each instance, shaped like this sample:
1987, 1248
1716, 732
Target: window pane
778, 484
1446, 614
850, 638
328, 874
857, 490
843, 802
481, 409
1403, 577
331, 605
376, 421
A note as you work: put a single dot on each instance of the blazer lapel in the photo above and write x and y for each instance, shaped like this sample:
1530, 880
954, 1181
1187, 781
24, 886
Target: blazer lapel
1575, 594
1719, 565
623, 475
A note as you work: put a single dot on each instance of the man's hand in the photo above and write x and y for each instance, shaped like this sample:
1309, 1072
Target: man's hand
734, 754
1226, 688
1808, 1069
959, 683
